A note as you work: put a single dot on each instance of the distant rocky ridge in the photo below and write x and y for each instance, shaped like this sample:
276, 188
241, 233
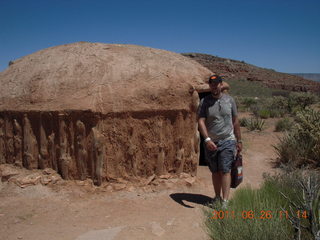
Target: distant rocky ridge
310, 76
233, 69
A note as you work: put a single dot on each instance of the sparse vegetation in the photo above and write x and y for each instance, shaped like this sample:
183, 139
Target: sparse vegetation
264, 113
245, 88
280, 103
305, 204
277, 106
255, 124
299, 101
284, 124
301, 146
285, 207
248, 102
250, 89
243, 122
243, 220
270, 107
274, 113
280, 93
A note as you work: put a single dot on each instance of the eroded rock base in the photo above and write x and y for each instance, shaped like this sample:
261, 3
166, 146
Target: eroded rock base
83, 144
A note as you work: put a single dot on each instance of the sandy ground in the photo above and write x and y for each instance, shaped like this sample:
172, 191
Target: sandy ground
169, 211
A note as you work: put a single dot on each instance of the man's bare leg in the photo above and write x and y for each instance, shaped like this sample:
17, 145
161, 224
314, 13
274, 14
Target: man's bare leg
216, 180
225, 183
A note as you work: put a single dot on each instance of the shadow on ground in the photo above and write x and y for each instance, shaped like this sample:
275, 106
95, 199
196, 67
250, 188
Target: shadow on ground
190, 197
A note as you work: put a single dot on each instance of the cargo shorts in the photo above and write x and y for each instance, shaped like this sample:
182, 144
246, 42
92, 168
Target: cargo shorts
222, 158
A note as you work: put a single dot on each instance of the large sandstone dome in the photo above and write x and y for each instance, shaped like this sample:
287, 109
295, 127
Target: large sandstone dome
101, 111
101, 78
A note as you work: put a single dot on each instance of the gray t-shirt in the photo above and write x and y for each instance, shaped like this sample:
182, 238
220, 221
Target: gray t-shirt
218, 114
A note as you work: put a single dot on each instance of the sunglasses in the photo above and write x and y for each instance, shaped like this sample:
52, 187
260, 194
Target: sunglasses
214, 79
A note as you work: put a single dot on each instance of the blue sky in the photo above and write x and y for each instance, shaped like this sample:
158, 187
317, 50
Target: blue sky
283, 35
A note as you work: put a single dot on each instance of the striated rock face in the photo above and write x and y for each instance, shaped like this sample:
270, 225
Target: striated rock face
101, 111
233, 69
30, 146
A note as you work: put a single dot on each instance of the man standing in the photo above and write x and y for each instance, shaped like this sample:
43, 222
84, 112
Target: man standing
219, 126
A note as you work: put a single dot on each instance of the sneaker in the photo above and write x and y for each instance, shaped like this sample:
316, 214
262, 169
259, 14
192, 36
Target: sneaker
224, 204
216, 199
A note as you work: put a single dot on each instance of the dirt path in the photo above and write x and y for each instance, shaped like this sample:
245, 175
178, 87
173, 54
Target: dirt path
82, 213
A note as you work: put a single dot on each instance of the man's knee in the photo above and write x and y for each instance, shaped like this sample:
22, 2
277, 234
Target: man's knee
220, 173
216, 174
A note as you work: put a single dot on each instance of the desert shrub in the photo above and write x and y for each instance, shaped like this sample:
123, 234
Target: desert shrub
299, 101
301, 190
271, 211
262, 108
246, 216
264, 113
279, 106
243, 122
284, 124
255, 124
280, 103
268, 106
281, 93
255, 109
271, 107
275, 113
301, 146
245, 88
240, 106
248, 102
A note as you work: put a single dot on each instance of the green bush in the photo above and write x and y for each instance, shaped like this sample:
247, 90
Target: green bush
280, 103
248, 102
262, 108
243, 122
277, 113
240, 106
269, 212
255, 109
301, 146
279, 106
299, 101
255, 124
271, 107
284, 124
264, 113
